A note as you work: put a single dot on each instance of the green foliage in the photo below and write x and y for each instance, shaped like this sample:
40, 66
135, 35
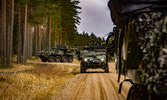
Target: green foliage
64, 18
23, 2
69, 15
84, 39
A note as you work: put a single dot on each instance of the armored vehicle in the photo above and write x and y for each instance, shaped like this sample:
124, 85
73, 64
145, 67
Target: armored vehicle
83, 51
81, 54
56, 55
94, 60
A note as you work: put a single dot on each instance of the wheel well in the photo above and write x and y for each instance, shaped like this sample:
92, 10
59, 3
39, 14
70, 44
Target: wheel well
57, 56
69, 56
50, 56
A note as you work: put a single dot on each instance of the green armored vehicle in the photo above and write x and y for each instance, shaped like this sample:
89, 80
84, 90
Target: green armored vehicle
56, 55
94, 60
82, 53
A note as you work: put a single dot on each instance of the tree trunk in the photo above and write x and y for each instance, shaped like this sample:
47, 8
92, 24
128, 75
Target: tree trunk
3, 33
8, 31
35, 41
19, 37
53, 36
49, 34
44, 39
50, 22
10, 22
39, 38
56, 36
25, 41
12, 25
0, 28
30, 41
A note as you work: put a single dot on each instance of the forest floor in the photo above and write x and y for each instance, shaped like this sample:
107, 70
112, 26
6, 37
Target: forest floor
59, 81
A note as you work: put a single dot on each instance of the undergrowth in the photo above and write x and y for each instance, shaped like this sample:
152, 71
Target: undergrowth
34, 81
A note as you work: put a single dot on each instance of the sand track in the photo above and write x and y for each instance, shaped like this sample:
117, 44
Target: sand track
94, 85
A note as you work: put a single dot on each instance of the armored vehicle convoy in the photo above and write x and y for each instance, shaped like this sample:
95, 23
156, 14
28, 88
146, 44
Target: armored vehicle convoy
56, 55
94, 60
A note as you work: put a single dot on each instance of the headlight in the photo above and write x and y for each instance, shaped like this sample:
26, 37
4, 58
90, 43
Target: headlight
85, 60
102, 59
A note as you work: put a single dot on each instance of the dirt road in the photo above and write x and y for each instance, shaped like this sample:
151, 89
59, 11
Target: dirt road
53, 63
59, 81
94, 85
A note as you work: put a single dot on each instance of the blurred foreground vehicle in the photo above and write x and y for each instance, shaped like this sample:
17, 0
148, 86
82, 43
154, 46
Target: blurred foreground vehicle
140, 46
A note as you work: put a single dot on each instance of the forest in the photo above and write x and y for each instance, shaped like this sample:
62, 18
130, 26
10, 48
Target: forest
29, 26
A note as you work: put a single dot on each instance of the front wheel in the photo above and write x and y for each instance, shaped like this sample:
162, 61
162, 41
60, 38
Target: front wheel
82, 68
51, 59
57, 59
64, 59
43, 60
70, 59
106, 69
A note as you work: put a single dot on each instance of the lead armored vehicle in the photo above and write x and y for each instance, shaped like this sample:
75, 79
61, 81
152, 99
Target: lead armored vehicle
94, 60
56, 55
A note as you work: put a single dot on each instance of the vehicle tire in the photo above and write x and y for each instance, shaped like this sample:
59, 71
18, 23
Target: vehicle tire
43, 60
64, 59
106, 69
51, 59
82, 68
70, 59
57, 59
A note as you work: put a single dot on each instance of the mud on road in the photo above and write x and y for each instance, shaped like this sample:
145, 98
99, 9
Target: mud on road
94, 85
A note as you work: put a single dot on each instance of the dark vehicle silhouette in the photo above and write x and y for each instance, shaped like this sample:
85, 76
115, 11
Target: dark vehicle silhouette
56, 55
140, 46
94, 60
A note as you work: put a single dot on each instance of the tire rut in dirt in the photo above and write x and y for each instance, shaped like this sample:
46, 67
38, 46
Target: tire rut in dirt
109, 89
77, 93
95, 86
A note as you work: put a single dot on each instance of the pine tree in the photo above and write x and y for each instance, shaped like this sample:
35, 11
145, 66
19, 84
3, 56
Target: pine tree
25, 37
3, 32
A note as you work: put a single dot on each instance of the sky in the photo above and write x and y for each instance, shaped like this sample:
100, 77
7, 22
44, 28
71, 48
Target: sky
95, 17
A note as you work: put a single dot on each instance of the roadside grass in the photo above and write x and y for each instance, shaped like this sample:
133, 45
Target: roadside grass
34, 81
